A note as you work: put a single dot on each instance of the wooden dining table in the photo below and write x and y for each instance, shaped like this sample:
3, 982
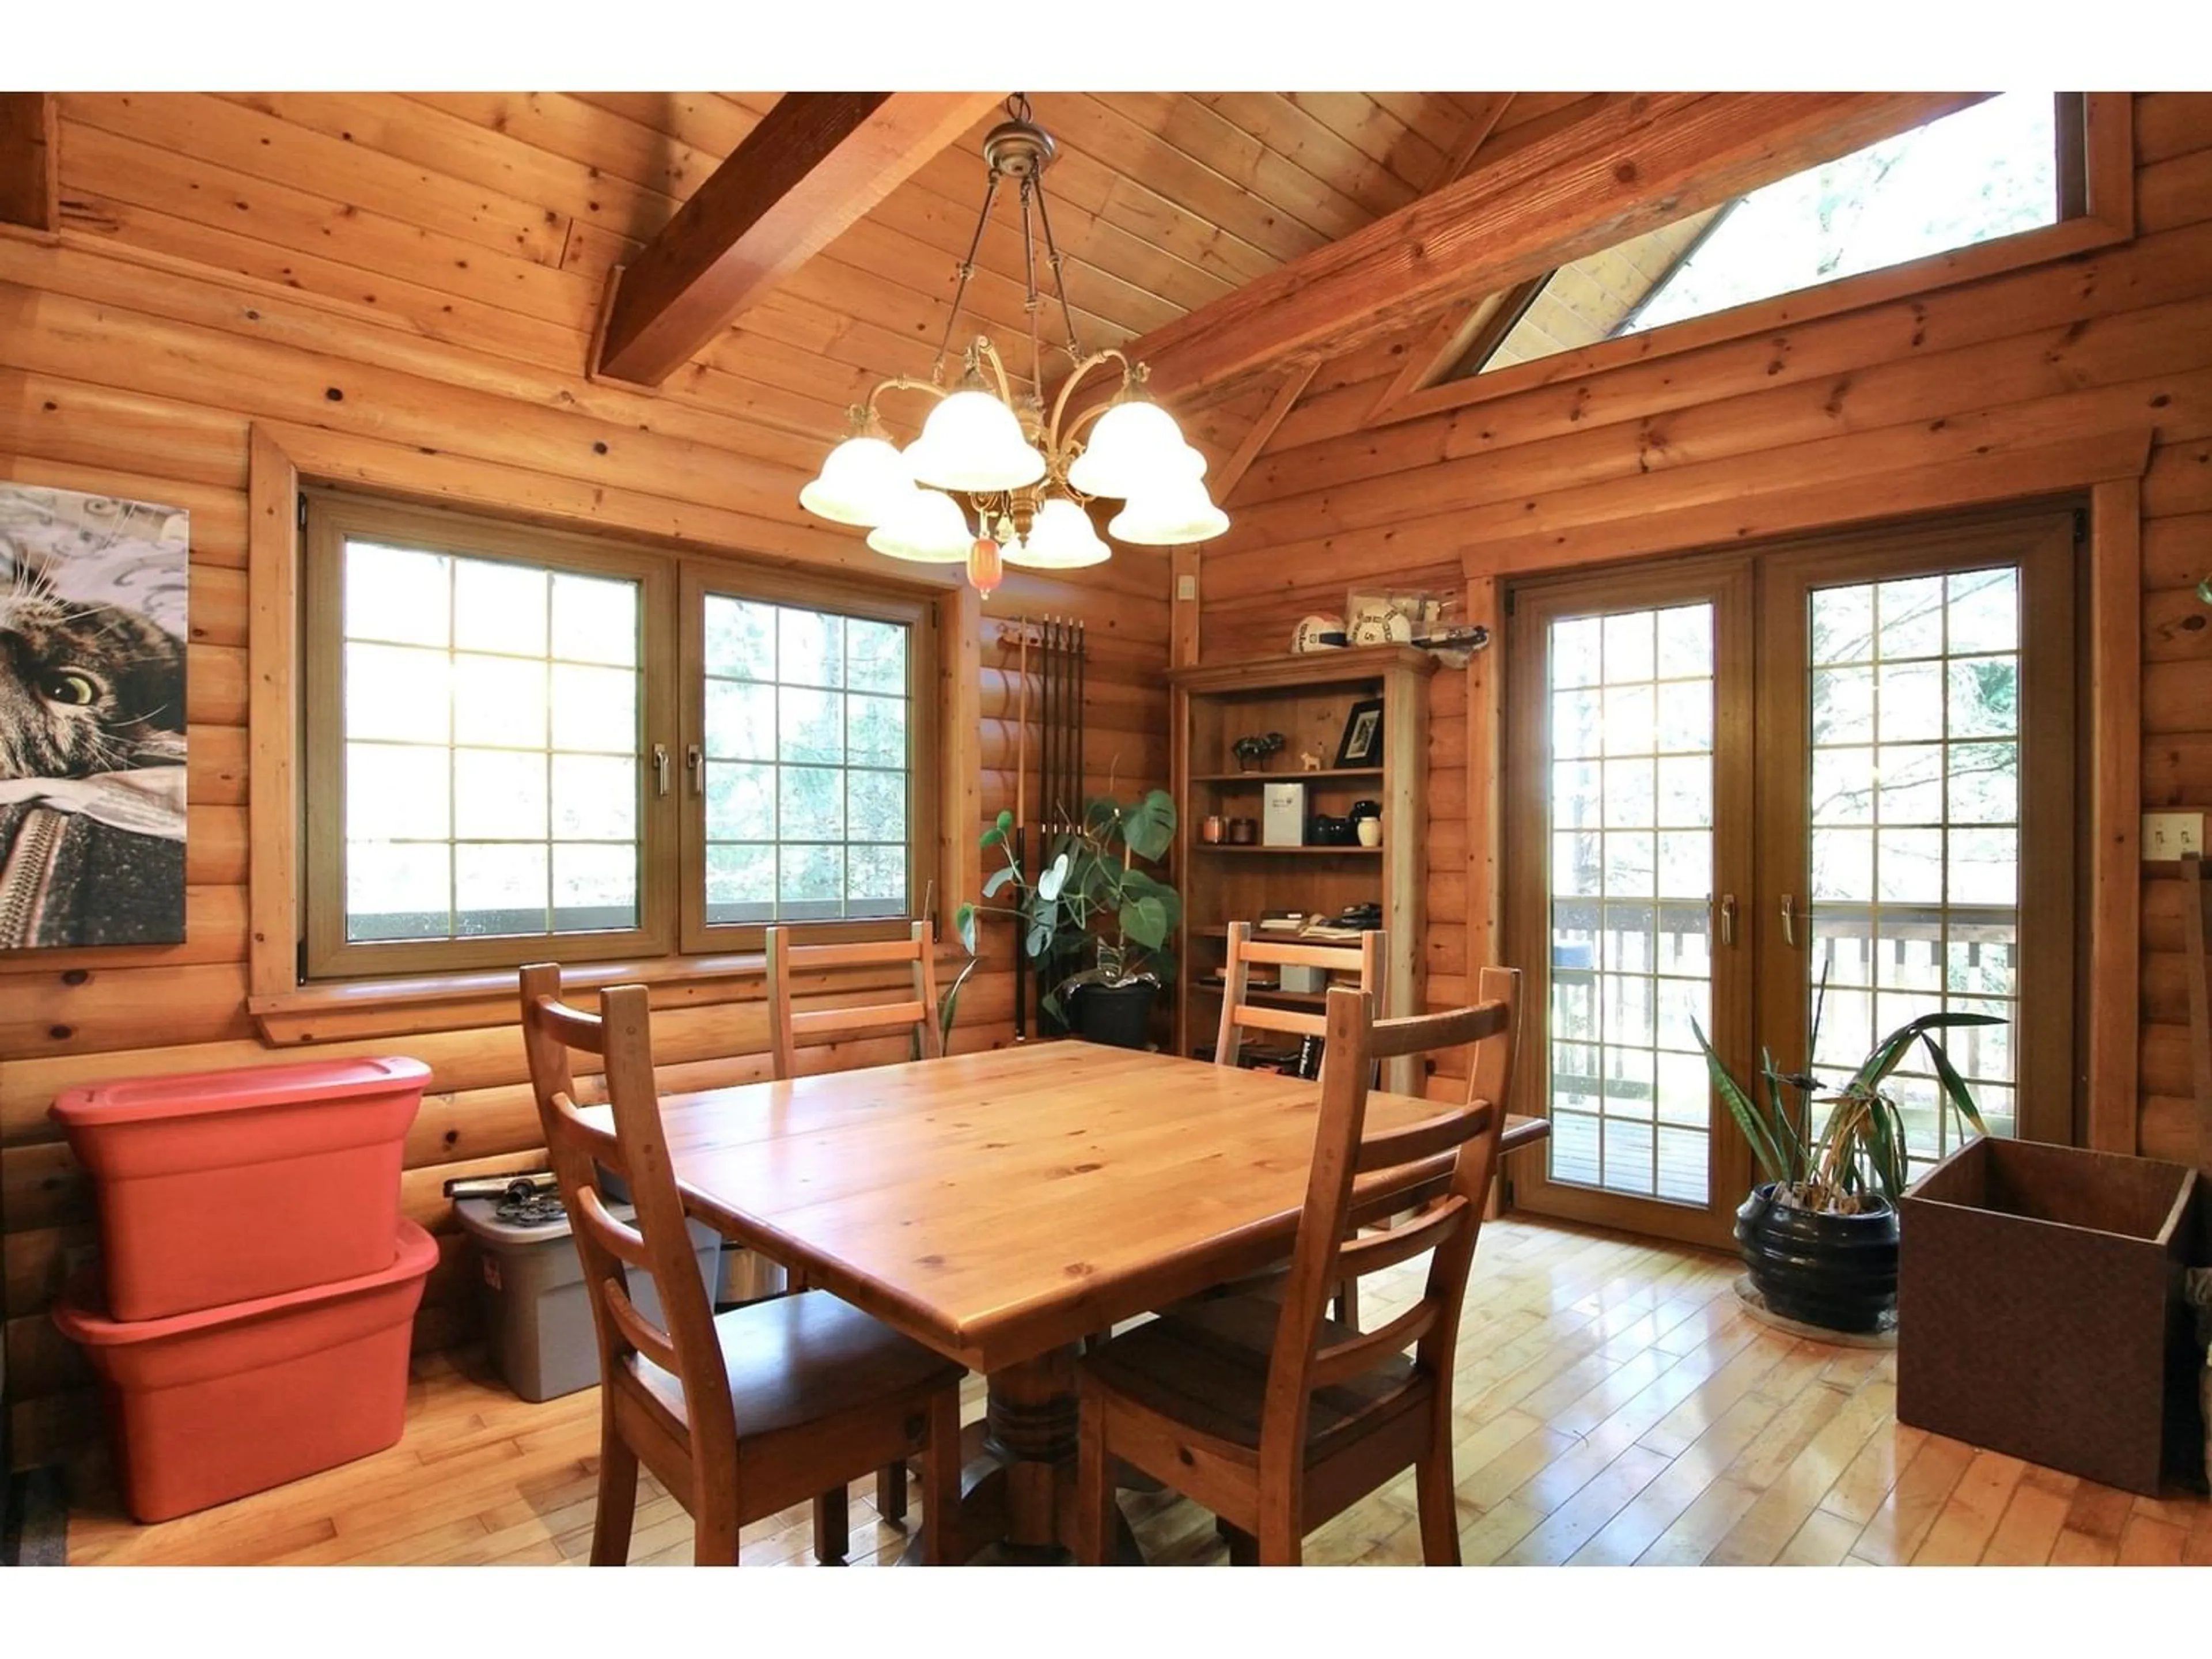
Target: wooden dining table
1000, 1207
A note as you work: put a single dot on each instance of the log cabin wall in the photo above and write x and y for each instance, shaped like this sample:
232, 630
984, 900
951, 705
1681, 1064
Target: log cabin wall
425, 275
2121, 338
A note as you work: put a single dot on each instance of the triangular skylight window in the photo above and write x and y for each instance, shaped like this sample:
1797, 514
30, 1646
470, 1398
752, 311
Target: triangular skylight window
1987, 171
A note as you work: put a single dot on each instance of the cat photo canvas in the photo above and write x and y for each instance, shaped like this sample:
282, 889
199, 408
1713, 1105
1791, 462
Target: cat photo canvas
93, 626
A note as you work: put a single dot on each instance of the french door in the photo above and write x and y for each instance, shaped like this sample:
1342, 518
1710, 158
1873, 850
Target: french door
1745, 790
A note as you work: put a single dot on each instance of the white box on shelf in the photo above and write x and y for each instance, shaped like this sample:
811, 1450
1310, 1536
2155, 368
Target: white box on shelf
1296, 976
1282, 815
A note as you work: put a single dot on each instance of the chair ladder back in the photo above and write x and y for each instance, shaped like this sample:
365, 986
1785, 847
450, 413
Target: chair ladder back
1489, 1086
786, 1025
659, 1243
1325, 1257
1368, 960
628, 1246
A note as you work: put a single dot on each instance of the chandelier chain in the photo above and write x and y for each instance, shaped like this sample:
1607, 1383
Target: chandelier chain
967, 271
1058, 280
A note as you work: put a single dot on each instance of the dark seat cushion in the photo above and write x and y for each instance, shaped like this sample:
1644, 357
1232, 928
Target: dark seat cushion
796, 1359
1205, 1365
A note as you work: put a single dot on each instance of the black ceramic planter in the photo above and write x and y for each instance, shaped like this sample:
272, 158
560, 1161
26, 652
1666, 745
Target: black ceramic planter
1118, 1015
1838, 1272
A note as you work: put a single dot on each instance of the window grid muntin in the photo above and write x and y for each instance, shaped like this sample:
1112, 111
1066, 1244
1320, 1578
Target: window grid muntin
552, 918
1877, 1002
786, 851
1607, 1144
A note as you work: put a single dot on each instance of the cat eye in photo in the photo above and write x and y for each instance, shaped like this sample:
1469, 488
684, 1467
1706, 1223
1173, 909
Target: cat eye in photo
93, 625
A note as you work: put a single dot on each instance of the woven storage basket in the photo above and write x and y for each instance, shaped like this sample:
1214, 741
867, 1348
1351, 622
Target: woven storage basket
2041, 1313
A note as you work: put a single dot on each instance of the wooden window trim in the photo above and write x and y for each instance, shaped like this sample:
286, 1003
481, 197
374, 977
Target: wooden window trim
282, 458
699, 579
2106, 181
2110, 466
333, 517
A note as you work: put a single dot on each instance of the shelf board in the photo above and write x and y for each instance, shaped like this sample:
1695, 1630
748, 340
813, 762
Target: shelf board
1292, 852
1325, 776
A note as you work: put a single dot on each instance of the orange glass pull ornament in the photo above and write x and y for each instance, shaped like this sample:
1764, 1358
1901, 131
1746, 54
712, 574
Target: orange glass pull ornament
986, 569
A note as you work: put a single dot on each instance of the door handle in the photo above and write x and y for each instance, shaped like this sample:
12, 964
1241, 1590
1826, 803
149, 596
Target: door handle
1788, 920
660, 768
1728, 918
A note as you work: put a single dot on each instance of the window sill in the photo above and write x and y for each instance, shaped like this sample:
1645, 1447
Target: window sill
351, 1010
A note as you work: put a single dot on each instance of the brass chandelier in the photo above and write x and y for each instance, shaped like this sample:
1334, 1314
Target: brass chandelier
994, 479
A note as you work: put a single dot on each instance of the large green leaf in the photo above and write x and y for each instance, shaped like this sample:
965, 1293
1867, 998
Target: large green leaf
1745, 1110
964, 923
997, 879
1145, 920
1040, 939
1149, 827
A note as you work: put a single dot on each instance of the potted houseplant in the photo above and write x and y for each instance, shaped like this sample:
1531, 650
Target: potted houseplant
1252, 751
1092, 903
1819, 1235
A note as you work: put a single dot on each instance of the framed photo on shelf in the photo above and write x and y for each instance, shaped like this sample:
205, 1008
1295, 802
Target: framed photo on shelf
1362, 744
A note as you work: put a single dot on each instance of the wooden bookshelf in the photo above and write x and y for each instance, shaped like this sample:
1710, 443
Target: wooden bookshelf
1307, 698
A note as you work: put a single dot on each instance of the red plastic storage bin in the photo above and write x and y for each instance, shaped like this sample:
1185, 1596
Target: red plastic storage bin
220, 1187
203, 1407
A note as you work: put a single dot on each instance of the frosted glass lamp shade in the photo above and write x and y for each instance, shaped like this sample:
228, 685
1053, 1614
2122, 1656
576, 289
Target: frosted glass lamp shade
1173, 517
928, 529
865, 481
1135, 449
1061, 539
972, 441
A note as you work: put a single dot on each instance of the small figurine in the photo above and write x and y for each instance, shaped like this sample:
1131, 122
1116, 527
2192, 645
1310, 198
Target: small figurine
1309, 761
1252, 751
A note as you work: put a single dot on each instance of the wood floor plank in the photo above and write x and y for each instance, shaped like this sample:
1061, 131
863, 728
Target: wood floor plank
1910, 1507
1647, 1516
2146, 1541
1794, 1486
1970, 1515
1613, 1403
2029, 1528
1824, 1540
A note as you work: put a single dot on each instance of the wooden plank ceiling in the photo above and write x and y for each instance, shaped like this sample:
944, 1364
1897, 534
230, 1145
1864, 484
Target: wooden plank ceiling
492, 219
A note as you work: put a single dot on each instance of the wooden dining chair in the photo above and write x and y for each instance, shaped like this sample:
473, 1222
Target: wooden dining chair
1366, 960
738, 1414
1268, 1411
786, 1025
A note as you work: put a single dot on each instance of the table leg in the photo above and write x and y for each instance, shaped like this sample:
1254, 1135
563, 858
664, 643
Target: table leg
1032, 1430
1018, 1491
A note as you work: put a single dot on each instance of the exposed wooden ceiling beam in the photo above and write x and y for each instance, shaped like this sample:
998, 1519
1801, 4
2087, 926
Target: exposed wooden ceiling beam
29, 185
816, 162
1633, 165
1488, 108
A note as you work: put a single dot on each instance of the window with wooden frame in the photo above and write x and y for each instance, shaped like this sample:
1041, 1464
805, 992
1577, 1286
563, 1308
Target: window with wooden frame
2009, 180
519, 741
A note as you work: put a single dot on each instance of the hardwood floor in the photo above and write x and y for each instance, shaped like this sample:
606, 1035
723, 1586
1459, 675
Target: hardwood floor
1616, 1406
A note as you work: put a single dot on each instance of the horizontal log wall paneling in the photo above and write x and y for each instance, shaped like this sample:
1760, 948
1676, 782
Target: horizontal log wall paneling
2027, 365
387, 268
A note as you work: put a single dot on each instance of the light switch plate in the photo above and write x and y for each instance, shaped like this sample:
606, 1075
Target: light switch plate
2169, 836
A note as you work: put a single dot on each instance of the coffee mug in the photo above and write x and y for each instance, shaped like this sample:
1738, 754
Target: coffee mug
1371, 831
